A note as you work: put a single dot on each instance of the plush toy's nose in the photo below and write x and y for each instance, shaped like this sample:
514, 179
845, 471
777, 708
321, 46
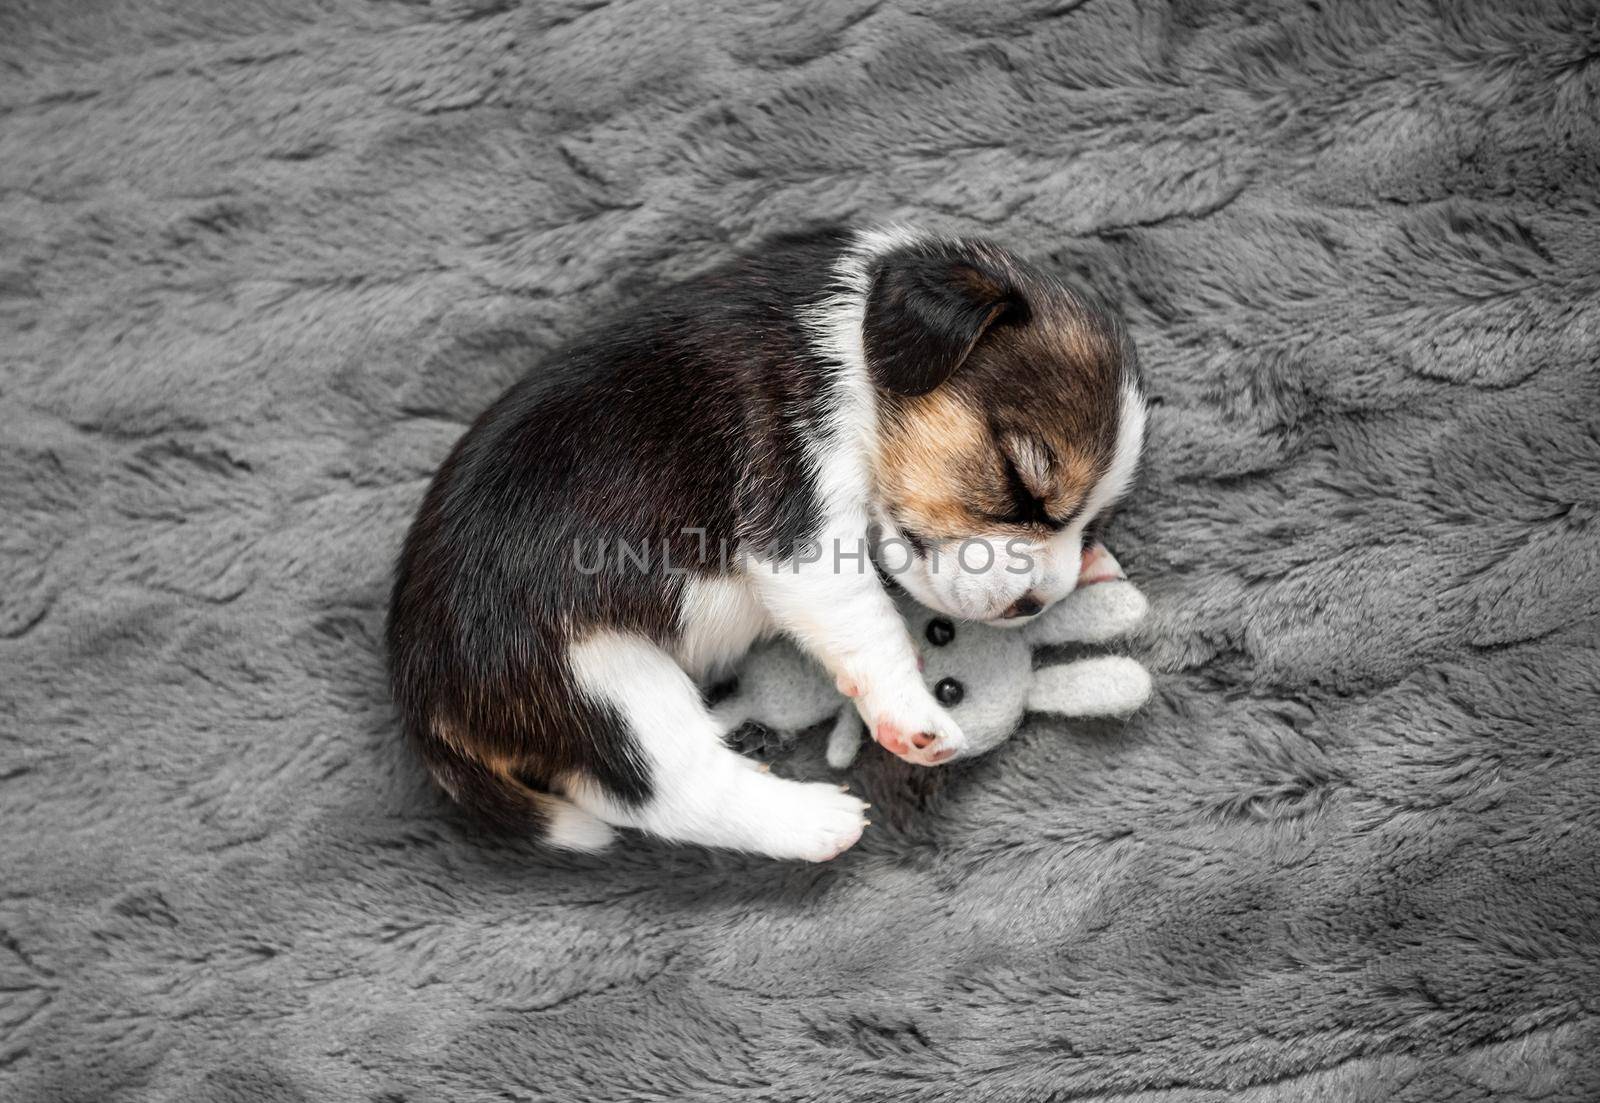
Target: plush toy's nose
1025, 606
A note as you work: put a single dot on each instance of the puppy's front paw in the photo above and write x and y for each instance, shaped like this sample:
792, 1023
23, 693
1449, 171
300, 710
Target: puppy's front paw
909, 723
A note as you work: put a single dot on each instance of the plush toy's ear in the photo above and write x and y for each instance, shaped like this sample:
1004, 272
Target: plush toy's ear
1090, 614
926, 308
1109, 685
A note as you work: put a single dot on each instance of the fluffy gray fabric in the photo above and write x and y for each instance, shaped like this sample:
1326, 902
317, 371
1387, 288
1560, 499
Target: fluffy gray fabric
259, 266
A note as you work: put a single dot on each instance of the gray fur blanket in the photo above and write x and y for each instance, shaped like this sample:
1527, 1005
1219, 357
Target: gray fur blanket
261, 262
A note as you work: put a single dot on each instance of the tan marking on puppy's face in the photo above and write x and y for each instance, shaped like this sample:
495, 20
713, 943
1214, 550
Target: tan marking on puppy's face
943, 474
934, 453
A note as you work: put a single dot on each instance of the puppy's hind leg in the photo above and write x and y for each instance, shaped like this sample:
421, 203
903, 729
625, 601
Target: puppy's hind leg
500, 799
700, 790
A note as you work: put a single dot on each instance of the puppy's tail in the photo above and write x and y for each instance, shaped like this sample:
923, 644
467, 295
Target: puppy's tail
507, 803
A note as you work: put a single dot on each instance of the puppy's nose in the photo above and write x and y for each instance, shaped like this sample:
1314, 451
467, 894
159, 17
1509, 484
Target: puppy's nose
1025, 606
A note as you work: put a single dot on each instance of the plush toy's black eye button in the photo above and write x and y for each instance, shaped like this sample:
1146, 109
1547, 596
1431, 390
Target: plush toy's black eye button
940, 631
949, 692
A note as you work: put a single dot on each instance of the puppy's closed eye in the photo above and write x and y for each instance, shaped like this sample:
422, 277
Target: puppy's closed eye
1024, 504
1020, 505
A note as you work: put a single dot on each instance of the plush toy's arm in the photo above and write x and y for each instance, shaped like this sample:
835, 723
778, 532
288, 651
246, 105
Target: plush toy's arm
1092, 614
1108, 685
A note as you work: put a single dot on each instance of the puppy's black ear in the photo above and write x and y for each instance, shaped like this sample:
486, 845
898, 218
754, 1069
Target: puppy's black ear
925, 312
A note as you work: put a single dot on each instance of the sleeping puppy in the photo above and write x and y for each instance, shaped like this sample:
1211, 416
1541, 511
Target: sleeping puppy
748, 453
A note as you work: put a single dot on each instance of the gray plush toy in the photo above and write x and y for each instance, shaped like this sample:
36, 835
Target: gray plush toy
985, 676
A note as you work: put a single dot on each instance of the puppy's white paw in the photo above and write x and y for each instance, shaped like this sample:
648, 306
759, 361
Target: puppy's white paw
907, 722
813, 822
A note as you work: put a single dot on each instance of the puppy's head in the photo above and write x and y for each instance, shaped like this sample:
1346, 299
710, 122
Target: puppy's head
1010, 419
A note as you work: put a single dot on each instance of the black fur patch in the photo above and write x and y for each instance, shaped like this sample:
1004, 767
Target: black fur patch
691, 414
927, 307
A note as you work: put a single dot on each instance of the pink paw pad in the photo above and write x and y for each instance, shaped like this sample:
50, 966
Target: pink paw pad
890, 737
1098, 565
